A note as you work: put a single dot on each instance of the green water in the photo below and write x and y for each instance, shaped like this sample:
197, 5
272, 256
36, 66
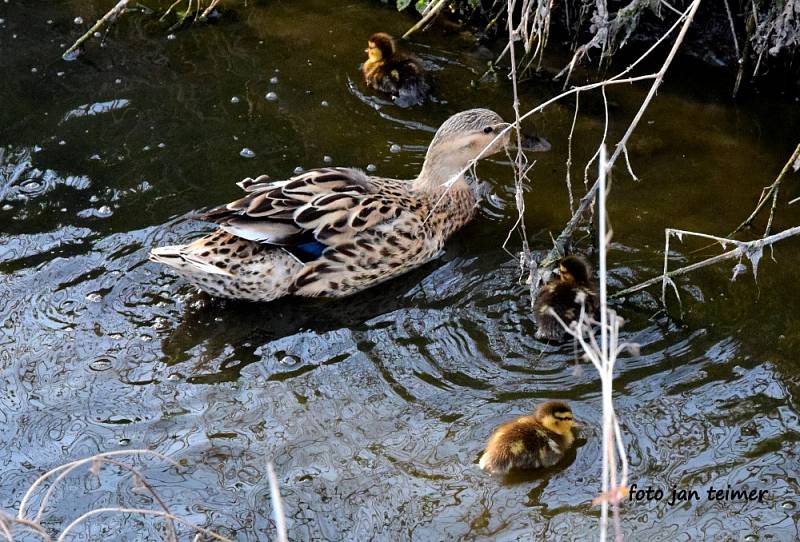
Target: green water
374, 409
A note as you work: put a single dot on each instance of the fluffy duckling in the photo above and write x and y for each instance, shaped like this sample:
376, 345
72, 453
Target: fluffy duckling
531, 442
565, 295
392, 72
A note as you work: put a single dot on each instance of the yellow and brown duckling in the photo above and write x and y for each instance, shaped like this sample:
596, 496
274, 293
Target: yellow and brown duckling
390, 71
531, 442
566, 296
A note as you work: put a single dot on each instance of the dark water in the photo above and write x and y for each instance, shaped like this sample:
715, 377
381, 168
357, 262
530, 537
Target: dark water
374, 409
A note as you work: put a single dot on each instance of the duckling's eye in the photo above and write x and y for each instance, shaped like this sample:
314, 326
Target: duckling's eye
488, 130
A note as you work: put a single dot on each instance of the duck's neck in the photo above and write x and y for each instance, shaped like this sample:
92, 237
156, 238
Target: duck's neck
440, 171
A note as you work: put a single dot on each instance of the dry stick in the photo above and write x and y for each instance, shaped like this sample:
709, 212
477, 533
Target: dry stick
588, 199
771, 192
142, 511
569, 154
431, 11
733, 28
742, 248
24, 524
69, 467
520, 160
113, 12
172, 533
277, 504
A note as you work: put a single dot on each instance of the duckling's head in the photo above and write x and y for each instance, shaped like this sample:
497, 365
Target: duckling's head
575, 270
380, 46
556, 416
462, 138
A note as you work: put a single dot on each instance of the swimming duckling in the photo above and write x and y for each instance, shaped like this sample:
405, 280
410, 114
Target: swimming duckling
531, 442
565, 296
394, 73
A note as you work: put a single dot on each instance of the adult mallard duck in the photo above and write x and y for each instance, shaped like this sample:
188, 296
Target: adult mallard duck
390, 71
336, 231
531, 442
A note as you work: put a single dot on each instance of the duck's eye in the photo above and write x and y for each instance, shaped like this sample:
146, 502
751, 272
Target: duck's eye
488, 130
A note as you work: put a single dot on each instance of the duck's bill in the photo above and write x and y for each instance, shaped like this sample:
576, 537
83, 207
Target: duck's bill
534, 143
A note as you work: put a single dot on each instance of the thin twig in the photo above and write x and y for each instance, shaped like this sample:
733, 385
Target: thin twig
742, 248
142, 511
112, 13
769, 192
432, 11
277, 504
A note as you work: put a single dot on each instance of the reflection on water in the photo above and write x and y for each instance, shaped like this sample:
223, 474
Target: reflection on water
374, 409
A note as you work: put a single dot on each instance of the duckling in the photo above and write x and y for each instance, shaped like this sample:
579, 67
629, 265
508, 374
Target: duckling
565, 296
392, 72
531, 442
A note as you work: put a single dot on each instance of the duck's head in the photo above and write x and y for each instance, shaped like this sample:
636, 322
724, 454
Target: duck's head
556, 416
464, 137
380, 46
575, 270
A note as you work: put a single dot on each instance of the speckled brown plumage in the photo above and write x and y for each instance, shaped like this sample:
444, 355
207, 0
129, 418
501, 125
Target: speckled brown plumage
336, 231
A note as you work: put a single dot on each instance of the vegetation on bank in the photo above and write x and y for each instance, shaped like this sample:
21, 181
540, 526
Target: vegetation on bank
750, 37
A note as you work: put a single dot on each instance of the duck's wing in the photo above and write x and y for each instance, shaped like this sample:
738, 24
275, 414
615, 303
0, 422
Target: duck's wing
328, 206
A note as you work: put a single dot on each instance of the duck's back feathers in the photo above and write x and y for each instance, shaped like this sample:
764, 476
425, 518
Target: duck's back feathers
329, 204
522, 444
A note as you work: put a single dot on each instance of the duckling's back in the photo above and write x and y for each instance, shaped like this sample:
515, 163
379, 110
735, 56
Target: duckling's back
566, 301
521, 444
402, 77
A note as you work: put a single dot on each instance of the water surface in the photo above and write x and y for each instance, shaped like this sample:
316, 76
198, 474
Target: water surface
373, 409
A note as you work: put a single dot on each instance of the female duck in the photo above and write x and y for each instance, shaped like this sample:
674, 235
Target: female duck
565, 297
531, 442
336, 231
392, 72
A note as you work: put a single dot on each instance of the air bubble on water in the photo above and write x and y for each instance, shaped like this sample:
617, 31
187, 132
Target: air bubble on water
288, 360
247, 153
104, 211
34, 70
327, 159
162, 145
62, 142
271, 97
78, 20
60, 74
97, 35
372, 167
145, 148
274, 80
37, 148
93, 297
174, 377
7, 207
395, 148
94, 157
324, 103
298, 170
94, 199
118, 81
234, 99
170, 37
124, 441
101, 364
788, 505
